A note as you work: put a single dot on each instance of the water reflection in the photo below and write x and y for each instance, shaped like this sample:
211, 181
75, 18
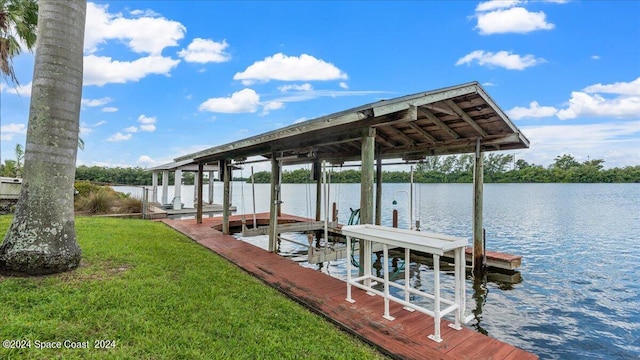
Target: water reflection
480, 292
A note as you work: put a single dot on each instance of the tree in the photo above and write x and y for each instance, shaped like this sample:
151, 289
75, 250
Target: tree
565, 162
42, 236
9, 168
18, 22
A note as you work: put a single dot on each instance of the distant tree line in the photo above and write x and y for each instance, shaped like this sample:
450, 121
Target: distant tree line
498, 168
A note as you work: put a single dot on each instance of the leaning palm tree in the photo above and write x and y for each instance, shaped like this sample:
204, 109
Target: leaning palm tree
18, 22
42, 236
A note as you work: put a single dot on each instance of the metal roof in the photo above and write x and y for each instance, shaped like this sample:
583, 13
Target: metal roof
438, 122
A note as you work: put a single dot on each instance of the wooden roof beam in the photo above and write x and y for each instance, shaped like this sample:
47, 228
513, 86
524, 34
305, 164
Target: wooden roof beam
383, 141
408, 115
434, 119
458, 110
422, 132
440, 108
406, 139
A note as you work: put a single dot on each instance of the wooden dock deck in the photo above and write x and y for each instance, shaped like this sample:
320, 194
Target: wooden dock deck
158, 212
496, 260
404, 338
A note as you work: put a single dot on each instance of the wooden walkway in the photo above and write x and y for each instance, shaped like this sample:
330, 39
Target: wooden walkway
403, 338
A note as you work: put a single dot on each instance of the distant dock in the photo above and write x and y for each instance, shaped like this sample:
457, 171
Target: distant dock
158, 212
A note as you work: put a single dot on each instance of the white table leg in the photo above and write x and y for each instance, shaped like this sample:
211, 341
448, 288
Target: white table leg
407, 294
436, 299
349, 299
385, 269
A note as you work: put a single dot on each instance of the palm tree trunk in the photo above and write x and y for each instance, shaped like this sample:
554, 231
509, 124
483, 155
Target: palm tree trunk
42, 236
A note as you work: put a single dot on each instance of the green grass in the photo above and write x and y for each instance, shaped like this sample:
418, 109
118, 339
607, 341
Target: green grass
159, 295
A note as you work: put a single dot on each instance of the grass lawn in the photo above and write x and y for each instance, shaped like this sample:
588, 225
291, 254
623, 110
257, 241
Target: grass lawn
152, 293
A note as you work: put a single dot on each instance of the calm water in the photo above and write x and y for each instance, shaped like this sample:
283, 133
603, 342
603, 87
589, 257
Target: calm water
579, 294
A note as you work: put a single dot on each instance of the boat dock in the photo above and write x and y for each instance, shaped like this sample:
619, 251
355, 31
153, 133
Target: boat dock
156, 211
291, 223
404, 338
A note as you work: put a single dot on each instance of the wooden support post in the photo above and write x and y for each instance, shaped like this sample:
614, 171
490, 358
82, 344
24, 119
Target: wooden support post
200, 178
366, 188
225, 171
274, 204
379, 191
334, 212
195, 189
394, 221
177, 199
478, 240
211, 183
154, 185
165, 187
317, 175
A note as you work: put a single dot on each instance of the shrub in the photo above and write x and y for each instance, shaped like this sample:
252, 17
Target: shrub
99, 202
85, 187
130, 205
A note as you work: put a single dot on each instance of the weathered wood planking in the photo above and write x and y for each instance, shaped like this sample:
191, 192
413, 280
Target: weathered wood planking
404, 338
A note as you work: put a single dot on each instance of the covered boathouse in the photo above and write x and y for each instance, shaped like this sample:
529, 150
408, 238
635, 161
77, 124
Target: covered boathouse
453, 120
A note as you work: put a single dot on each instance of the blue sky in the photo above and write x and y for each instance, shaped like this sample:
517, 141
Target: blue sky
167, 78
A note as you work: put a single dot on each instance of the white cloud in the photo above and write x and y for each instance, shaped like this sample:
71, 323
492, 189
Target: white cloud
590, 103
290, 68
496, 4
533, 111
109, 109
85, 130
101, 70
595, 57
148, 34
489, 83
243, 101
205, 51
130, 129
512, 20
620, 88
20, 90
303, 87
313, 94
8, 131
272, 105
148, 123
582, 104
609, 141
143, 119
110, 164
503, 59
146, 12
99, 123
299, 120
343, 85
96, 102
146, 160
119, 137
